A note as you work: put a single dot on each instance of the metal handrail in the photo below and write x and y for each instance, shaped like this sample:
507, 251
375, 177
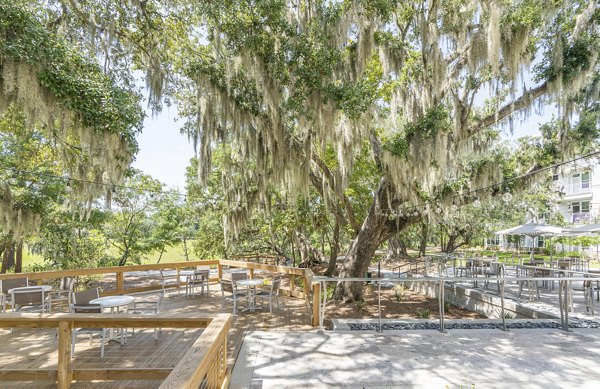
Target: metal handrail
562, 292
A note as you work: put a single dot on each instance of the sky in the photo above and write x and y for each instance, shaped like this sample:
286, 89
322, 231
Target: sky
164, 152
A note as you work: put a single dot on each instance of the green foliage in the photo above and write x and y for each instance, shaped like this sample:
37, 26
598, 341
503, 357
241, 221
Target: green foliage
72, 242
423, 313
27, 164
129, 230
360, 305
77, 83
447, 306
435, 120
576, 57
399, 292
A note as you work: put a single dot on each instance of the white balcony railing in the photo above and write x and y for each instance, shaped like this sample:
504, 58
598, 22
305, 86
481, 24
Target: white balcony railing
581, 217
576, 189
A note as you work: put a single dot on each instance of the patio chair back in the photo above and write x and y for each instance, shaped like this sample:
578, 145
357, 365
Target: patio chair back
67, 284
84, 297
565, 265
201, 273
275, 285
29, 295
497, 268
227, 286
6, 285
237, 276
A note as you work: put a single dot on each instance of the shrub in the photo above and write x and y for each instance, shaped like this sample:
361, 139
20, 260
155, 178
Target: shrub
399, 292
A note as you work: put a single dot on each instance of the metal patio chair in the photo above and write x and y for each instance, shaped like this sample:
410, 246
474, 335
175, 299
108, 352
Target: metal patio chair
103, 332
235, 294
271, 293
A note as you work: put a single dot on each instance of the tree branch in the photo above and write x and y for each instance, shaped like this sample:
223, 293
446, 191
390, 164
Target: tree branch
522, 102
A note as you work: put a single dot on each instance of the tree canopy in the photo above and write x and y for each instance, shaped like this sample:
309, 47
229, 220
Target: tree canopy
87, 117
371, 114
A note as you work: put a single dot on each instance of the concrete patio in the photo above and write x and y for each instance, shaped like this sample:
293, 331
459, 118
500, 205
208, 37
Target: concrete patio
420, 359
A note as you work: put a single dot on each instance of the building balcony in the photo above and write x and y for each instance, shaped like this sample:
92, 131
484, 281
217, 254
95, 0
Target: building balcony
581, 218
576, 190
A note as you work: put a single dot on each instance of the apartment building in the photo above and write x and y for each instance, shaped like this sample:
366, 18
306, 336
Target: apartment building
580, 185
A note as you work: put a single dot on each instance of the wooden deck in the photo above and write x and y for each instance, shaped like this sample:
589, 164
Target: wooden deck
36, 348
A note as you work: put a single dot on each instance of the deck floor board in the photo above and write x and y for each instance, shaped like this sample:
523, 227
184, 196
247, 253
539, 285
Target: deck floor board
36, 348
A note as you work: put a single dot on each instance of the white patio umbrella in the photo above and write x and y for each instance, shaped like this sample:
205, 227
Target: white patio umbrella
585, 229
532, 230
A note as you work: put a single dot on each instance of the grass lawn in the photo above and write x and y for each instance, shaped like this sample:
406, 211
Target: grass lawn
171, 254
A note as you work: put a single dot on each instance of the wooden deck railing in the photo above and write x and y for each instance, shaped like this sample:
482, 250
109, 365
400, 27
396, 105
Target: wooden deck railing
205, 363
291, 271
120, 273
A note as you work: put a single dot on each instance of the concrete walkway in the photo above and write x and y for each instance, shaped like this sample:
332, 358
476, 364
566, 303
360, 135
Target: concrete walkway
537, 358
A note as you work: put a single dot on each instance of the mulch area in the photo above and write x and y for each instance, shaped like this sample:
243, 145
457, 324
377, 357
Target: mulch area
396, 303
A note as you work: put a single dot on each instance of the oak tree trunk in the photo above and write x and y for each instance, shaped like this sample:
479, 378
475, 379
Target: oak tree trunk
396, 248
311, 256
8, 259
334, 247
376, 229
19, 257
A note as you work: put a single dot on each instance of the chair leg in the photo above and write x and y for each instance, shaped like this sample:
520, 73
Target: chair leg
102, 341
73, 337
270, 304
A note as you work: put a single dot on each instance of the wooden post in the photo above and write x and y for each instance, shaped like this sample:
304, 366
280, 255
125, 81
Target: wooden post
316, 304
220, 271
119, 282
306, 287
251, 273
65, 374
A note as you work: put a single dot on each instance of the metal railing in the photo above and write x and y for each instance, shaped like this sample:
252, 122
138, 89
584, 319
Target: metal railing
564, 291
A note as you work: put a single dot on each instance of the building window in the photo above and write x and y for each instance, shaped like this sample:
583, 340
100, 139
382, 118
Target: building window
581, 182
493, 241
585, 180
580, 207
581, 211
540, 241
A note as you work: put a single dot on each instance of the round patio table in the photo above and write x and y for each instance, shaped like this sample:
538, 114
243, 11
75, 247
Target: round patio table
113, 302
251, 284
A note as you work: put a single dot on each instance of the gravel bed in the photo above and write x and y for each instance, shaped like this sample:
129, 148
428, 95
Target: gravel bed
469, 326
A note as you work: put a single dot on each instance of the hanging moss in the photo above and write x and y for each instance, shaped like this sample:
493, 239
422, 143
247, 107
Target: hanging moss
91, 120
327, 73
